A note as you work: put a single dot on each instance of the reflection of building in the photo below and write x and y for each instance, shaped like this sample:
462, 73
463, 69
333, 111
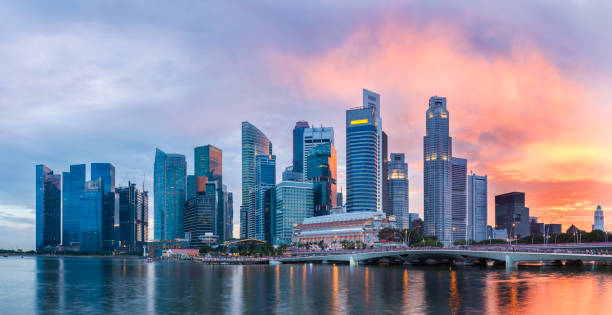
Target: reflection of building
512, 215
294, 202
73, 185
170, 173
477, 208
437, 152
48, 208
353, 226
397, 190
598, 223
459, 198
321, 171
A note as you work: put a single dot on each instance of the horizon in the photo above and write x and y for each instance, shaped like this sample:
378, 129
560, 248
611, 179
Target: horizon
527, 99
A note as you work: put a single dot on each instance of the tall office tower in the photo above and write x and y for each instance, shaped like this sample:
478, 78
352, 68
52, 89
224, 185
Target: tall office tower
106, 172
208, 161
48, 208
298, 145
133, 218
364, 155
170, 172
312, 138
73, 185
322, 172
397, 188
228, 214
512, 215
340, 201
201, 216
294, 202
386, 198
598, 223
477, 207
289, 174
437, 152
192, 189
254, 142
91, 216
259, 212
459, 198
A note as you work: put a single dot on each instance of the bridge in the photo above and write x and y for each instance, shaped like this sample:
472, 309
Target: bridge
511, 256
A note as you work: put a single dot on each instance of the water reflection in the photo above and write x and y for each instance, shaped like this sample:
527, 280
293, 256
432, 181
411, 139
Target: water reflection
91, 285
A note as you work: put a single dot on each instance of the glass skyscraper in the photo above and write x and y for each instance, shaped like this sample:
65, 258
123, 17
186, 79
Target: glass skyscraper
364, 155
208, 161
298, 145
170, 173
200, 217
294, 202
386, 198
133, 218
459, 198
437, 152
73, 186
48, 208
512, 215
322, 171
254, 142
106, 172
477, 207
313, 137
397, 189
265, 179
91, 216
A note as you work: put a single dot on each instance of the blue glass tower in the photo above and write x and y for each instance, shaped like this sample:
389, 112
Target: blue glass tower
48, 208
322, 172
265, 179
91, 215
106, 172
459, 198
437, 152
397, 190
294, 202
208, 161
298, 145
73, 185
170, 173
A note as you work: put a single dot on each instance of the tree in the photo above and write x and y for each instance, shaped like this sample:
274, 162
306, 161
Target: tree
389, 235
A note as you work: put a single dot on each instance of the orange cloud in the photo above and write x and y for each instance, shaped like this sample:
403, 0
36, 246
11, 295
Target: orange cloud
514, 115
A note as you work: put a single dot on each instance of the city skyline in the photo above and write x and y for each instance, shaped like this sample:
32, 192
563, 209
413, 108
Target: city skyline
557, 154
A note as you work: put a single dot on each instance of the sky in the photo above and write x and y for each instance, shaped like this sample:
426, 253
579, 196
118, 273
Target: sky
527, 86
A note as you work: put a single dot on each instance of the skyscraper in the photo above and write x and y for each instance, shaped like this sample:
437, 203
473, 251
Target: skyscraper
512, 215
437, 152
293, 204
397, 189
477, 207
48, 208
364, 155
91, 216
313, 137
298, 145
170, 172
459, 198
259, 212
106, 172
254, 142
386, 198
208, 161
322, 171
201, 216
73, 185
133, 218
598, 221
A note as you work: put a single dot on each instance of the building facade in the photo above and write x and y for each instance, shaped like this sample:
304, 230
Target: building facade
598, 220
48, 208
477, 207
91, 216
437, 152
313, 137
254, 143
397, 190
208, 161
133, 218
200, 218
512, 215
298, 146
459, 199
106, 172
73, 185
386, 198
260, 210
170, 175
322, 172
294, 202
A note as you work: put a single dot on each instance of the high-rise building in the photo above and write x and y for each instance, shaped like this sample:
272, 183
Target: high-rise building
73, 185
170, 173
228, 220
397, 190
254, 143
340, 200
298, 145
48, 208
133, 218
477, 207
322, 172
201, 216
437, 152
192, 187
259, 212
313, 137
208, 161
290, 175
364, 155
91, 216
293, 204
106, 172
598, 223
459, 198
386, 198
512, 215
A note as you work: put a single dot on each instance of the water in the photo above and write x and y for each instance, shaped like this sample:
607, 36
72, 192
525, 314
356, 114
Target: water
112, 285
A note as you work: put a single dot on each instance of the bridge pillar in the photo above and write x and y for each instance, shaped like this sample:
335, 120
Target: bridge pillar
352, 261
510, 263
